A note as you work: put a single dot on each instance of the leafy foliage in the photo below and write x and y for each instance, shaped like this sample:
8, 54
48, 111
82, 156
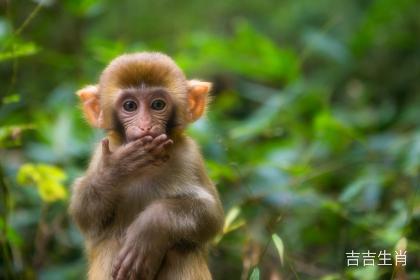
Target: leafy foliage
312, 138
48, 180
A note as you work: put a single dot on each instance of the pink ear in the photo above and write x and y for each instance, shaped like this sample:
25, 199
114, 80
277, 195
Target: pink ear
197, 98
89, 96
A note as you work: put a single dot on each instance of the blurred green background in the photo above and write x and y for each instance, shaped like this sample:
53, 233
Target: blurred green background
313, 135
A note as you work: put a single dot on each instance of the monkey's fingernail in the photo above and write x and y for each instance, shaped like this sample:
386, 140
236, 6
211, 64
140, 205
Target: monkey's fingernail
105, 146
161, 137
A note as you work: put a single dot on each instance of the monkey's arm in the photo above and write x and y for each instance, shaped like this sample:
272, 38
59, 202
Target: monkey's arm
95, 195
190, 220
93, 201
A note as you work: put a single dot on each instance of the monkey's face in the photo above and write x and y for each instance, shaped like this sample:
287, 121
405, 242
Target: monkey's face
144, 111
143, 94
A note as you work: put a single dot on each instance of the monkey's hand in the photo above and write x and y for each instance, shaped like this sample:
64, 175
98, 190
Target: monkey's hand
142, 253
135, 155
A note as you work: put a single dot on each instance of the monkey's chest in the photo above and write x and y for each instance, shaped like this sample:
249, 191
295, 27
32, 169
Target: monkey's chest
135, 197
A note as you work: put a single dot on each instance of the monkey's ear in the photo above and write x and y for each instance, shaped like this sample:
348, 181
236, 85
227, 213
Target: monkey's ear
89, 96
197, 98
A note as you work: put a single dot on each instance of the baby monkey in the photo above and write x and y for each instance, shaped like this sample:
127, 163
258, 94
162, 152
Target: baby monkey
146, 206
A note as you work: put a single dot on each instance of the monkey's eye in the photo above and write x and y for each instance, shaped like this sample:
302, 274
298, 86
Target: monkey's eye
158, 104
130, 106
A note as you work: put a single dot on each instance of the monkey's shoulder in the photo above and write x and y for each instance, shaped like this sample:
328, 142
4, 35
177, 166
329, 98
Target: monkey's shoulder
188, 151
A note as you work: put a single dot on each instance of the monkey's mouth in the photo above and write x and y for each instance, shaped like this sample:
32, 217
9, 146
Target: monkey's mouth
134, 133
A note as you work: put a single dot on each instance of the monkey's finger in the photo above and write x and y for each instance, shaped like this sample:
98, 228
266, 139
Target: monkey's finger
151, 266
168, 143
126, 265
142, 134
105, 147
141, 147
159, 139
161, 148
120, 258
146, 139
134, 144
132, 275
130, 148
156, 142
136, 272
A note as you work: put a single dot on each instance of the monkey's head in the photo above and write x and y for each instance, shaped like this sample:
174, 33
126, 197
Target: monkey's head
143, 93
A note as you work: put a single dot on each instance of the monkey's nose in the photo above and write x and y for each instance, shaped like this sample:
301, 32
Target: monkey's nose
145, 128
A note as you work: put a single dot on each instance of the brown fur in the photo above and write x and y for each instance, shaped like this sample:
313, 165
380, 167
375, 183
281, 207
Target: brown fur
162, 213
142, 69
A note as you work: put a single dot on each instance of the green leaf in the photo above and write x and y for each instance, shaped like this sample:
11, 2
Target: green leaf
232, 214
232, 222
219, 171
13, 237
333, 276
353, 190
84, 7
105, 50
333, 132
248, 52
21, 49
326, 45
279, 246
255, 275
10, 136
11, 234
14, 98
47, 178
262, 118
364, 191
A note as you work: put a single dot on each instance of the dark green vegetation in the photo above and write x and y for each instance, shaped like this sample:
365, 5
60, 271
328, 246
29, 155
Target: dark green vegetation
313, 136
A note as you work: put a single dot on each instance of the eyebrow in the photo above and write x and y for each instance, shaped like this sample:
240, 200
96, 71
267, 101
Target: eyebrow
135, 91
